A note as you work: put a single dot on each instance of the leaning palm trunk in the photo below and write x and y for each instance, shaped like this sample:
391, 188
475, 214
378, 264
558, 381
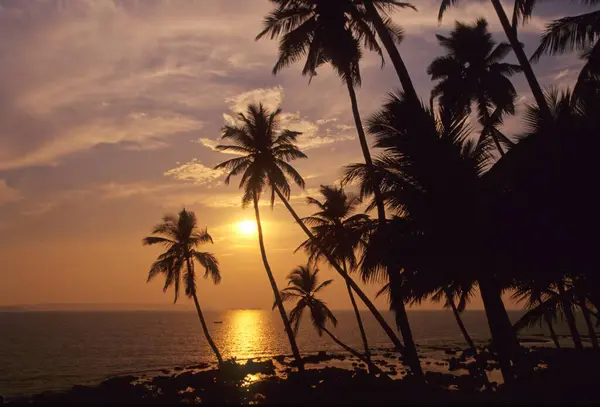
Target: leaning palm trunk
511, 33
363, 335
286, 322
202, 321
570, 318
548, 319
401, 320
590, 325
463, 330
503, 334
392, 51
460, 324
366, 153
397, 304
388, 330
372, 367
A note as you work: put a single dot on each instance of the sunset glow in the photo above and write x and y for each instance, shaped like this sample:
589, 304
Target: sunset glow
246, 227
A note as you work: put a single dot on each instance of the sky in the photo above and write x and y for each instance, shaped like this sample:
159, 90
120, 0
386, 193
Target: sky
109, 114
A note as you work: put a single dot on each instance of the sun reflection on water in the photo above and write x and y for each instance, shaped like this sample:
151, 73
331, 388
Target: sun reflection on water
245, 335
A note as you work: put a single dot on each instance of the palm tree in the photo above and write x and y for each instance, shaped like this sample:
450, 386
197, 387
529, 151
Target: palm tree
473, 72
303, 285
373, 9
264, 165
331, 32
431, 178
511, 34
532, 292
328, 32
180, 236
337, 231
575, 33
553, 300
266, 151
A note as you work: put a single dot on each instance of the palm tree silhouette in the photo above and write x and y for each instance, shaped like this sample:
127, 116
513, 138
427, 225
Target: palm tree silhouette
264, 165
431, 175
303, 285
472, 72
337, 231
575, 33
180, 236
555, 298
329, 32
522, 7
373, 8
533, 292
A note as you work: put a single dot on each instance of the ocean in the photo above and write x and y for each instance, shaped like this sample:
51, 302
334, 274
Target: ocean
54, 350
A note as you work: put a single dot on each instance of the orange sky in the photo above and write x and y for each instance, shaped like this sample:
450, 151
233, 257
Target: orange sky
109, 114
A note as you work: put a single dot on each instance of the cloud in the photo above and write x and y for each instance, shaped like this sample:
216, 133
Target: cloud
196, 172
561, 74
271, 98
8, 194
135, 132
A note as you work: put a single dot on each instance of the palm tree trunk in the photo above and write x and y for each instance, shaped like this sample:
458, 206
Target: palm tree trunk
201, 317
503, 335
461, 326
570, 318
390, 46
286, 322
371, 365
366, 153
205, 329
388, 330
487, 124
397, 304
523, 61
548, 320
400, 311
463, 330
363, 335
590, 325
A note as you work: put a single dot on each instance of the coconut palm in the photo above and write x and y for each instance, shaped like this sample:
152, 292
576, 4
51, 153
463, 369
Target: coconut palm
263, 165
338, 231
266, 150
374, 8
554, 299
303, 286
181, 237
431, 179
473, 72
522, 6
331, 32
575, 33
550, 171
532, 292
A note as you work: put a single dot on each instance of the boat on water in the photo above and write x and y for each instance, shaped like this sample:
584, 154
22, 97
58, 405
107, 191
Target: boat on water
218, 322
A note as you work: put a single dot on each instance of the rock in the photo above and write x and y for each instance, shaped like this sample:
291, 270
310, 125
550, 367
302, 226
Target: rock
164, 371
178, 368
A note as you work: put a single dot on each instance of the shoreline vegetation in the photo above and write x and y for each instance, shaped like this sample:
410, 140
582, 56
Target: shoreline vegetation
553, 376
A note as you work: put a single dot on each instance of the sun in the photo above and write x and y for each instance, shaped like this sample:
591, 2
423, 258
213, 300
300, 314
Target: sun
246, 227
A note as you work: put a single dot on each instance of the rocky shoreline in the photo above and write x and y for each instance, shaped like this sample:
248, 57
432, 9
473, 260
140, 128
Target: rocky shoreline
549, 376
